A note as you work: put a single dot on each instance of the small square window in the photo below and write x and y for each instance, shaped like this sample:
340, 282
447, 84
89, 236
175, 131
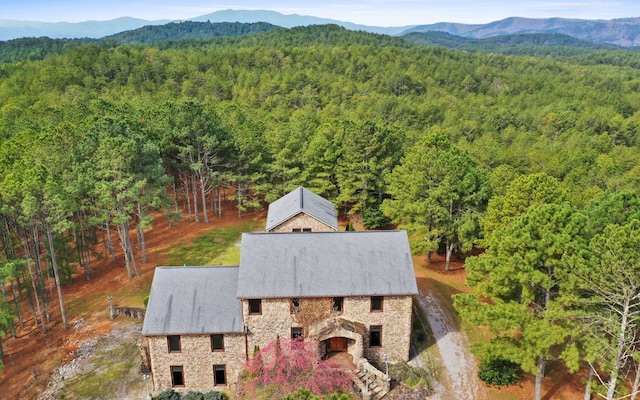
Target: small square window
375, 336
219, 375
337, 304
377, 303
296, 333
255, 306
177, 376
217, 342
173, 341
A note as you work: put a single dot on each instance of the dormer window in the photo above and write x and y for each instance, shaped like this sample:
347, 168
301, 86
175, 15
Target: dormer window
295, 305
173, 342
377, 303
217, 342
255, 306
337, 304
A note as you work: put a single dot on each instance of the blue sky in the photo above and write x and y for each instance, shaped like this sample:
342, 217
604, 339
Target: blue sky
368, 12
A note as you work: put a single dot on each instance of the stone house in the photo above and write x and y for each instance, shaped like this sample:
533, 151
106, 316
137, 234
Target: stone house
350, 291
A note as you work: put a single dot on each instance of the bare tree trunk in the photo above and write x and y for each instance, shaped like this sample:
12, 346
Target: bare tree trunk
539, 375
194, 191
219, 201
41, 281
83, 253
449, 250
17, 304
140, 235
112, 250
175, 195
587, 389
186, 198
203, 194
122, 231
56, 274
636, 382
35, 295
143, 246
239, 197
617, 361
131, 252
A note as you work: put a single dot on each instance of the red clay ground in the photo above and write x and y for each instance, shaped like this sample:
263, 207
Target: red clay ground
558, 384
34, 352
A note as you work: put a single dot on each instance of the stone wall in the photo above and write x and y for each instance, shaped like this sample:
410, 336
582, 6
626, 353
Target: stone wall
275, 320
302, 221
197, 361
395, 319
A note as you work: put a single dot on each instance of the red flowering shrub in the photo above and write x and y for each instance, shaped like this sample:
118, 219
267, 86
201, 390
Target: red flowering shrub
284, 366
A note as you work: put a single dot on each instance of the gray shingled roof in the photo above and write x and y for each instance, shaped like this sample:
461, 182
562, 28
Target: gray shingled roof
322, 264
301, 200
191, 300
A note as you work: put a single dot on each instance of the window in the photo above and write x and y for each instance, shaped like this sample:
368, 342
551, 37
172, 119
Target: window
173, 341
219, 375
295, 305
376, 303
177, 377
337, 304
301, 230
375, 336
255, 306
217, 342
296, 333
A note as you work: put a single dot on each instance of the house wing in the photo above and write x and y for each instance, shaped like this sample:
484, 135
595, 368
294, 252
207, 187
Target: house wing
326, 264
299, 201
193, 300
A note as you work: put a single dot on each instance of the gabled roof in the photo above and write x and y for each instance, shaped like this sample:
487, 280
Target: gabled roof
191, 300
324, 264
305, 201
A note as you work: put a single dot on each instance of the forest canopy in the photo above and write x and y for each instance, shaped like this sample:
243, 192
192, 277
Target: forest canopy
98, 139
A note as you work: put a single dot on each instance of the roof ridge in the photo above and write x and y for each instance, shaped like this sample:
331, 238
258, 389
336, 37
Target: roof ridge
301, 198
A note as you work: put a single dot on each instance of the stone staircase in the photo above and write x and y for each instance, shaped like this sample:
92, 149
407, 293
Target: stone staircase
370, 382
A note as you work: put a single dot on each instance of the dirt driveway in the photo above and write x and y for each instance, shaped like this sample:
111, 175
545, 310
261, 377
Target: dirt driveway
459, 374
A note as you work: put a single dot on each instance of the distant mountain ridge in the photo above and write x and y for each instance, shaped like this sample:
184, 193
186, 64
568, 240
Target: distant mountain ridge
621, 32
533, 44
291, 20
174, 31
10, 29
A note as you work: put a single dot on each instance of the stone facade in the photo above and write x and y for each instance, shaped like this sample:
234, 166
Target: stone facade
395, 320
348, 330
197, 360
303, 221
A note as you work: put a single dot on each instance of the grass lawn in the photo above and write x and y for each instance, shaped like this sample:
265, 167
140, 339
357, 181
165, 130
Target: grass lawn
216, 247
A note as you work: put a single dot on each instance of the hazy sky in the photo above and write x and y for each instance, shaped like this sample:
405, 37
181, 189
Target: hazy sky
367, 12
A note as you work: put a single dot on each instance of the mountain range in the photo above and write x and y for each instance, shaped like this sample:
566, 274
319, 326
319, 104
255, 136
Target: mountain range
622, 32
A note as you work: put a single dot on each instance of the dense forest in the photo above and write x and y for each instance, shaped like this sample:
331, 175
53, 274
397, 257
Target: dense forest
536, 160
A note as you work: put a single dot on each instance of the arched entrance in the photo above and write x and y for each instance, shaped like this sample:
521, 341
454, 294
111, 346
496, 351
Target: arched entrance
338, 335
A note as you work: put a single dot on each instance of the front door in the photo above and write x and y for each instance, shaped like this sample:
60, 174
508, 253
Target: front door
337, 344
